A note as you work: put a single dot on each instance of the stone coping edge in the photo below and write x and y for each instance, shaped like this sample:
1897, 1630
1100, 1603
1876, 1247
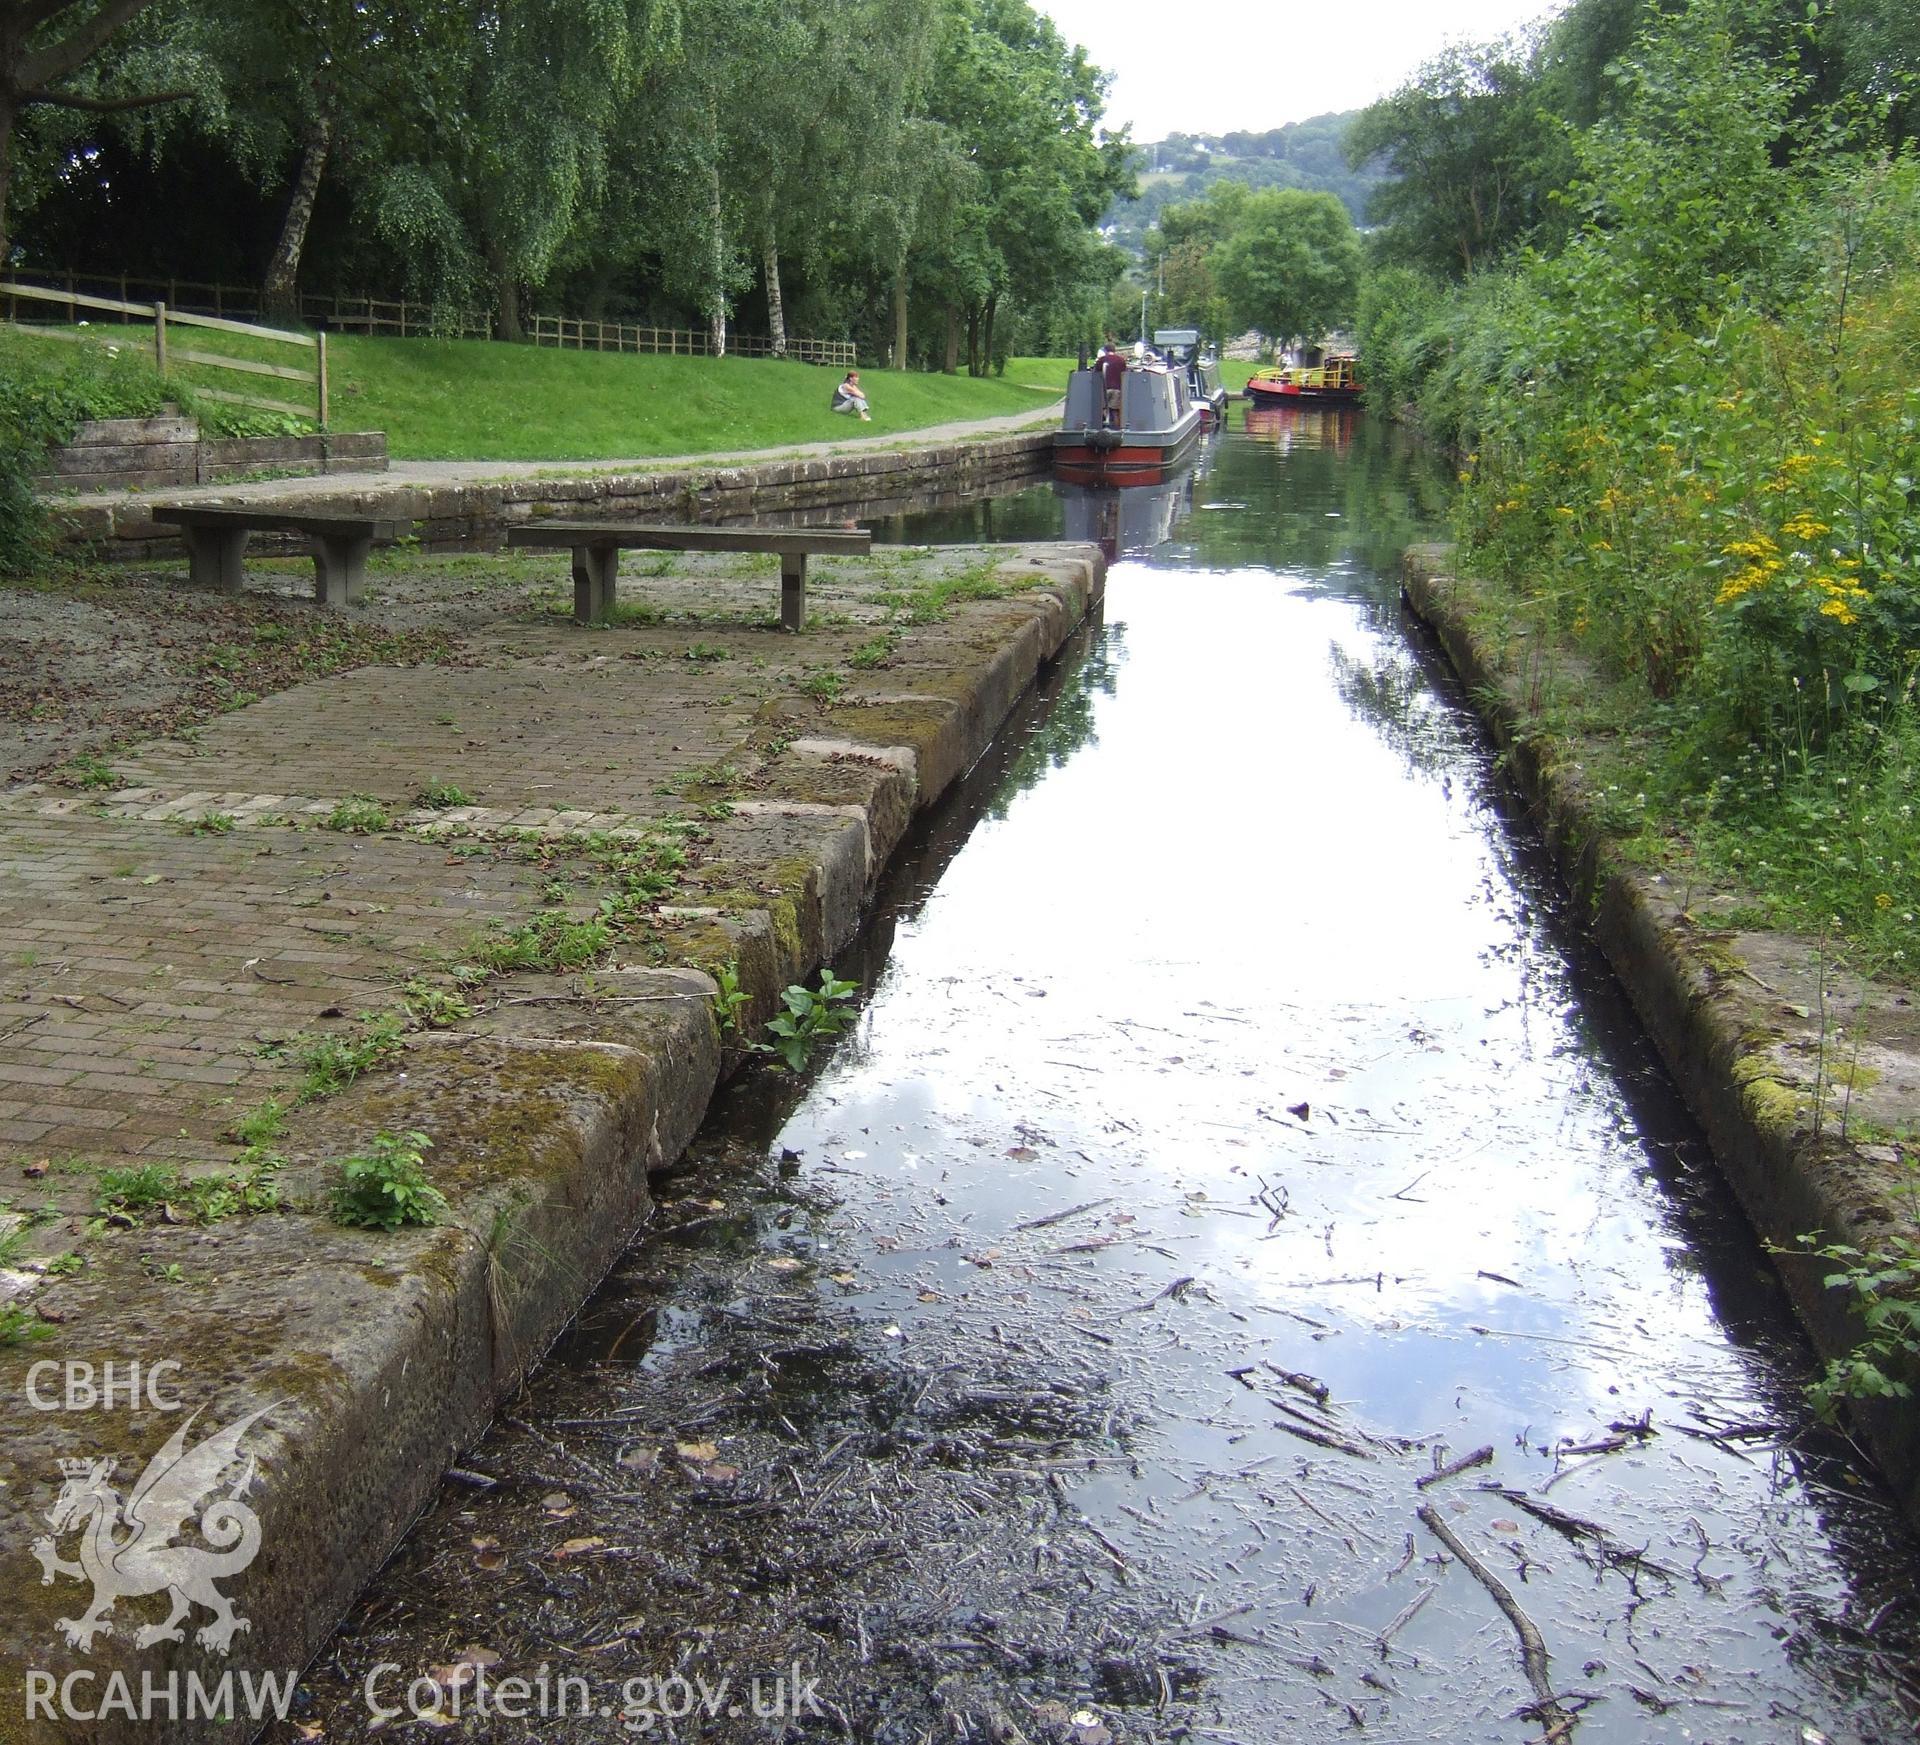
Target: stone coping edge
461, 512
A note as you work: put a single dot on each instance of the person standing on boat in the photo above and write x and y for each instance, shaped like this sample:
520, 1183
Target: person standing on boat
1112, 364
850, 397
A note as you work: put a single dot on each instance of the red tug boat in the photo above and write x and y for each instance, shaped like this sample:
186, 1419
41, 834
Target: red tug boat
1337, 381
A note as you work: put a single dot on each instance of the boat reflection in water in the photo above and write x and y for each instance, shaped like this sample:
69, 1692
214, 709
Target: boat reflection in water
1129, 521
1291, 427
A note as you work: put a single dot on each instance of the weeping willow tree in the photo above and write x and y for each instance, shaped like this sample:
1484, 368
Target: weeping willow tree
542, 90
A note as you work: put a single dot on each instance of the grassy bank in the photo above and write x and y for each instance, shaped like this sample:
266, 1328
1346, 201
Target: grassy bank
475, 400
48, 387
480, 400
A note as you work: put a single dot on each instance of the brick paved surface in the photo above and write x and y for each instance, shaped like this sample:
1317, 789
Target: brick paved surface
160, 939
146, 968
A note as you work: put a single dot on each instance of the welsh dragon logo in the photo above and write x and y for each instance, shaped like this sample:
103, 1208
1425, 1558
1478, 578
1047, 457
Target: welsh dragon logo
127, 1550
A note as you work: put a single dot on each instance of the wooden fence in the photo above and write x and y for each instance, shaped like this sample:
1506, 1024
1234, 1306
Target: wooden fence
404, 318
561, 330
397, 318
165, 352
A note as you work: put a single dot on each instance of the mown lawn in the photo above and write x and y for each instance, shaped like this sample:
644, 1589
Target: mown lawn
475, 400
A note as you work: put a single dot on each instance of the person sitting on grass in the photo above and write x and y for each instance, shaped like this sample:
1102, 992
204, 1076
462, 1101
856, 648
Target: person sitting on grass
850, 397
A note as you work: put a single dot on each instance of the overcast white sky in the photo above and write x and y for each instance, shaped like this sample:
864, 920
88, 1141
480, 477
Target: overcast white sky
1211, 66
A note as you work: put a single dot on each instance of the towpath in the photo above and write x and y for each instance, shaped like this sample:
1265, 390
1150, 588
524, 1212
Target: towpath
420, 474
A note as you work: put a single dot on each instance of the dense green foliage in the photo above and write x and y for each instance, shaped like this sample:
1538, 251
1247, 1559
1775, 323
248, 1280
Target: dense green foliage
1279, 260
1692, 430
922, 177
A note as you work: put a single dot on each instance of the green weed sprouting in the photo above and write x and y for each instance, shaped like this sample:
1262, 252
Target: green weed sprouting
331, 1063
1885, 1290
205, 1199
385, 1187
359, 815
731, 997
812, 1016
20, 1326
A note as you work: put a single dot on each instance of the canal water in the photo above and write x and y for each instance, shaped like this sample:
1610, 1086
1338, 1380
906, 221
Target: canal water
1235, 1135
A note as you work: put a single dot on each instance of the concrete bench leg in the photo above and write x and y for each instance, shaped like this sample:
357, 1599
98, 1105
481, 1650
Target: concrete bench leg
793, 590
595, 568
213, 557
340, 568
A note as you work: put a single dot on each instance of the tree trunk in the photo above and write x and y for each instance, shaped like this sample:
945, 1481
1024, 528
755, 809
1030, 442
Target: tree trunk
6, 174
973, 341
952, 361
507, 295
900, 316
986, 342
776, 307
280, 295
717, 294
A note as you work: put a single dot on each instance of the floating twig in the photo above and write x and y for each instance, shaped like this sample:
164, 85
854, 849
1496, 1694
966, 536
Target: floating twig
1406, 1615
1062, 1217
1324, 1439
1453, 1468
1311, 1385
1533, 1648
1575, 1527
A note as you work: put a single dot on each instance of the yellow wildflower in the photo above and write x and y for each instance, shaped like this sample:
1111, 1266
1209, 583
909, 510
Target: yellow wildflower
1840, 611
1744, 583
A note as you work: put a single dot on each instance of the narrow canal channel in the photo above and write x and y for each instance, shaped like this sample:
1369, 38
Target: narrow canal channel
1235, 1133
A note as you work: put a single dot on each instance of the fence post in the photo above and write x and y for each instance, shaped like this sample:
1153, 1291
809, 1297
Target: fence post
160, 337
320, 340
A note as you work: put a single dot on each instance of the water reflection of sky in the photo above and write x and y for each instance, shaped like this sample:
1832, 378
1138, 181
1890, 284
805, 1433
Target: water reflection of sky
1259, 868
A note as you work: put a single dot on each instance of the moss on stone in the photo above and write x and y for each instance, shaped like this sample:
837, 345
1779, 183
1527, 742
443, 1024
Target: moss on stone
1773, 1104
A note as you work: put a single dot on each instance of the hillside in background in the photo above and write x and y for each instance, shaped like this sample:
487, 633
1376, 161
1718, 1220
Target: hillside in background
1303, 154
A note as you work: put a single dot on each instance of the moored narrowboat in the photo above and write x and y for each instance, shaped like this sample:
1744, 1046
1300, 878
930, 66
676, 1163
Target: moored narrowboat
1141, 441
1180, 346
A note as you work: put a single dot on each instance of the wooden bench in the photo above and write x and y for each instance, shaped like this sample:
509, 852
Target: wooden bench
216, 538
596, 547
